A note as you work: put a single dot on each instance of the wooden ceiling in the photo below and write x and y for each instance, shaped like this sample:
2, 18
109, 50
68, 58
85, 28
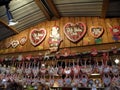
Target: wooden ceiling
31, 12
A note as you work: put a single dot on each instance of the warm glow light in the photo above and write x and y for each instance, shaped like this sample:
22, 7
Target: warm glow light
43, 64
95, 74
117, 61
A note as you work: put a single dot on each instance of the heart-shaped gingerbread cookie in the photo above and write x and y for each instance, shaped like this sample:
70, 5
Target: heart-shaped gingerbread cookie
23, 40
36, 36
74, 32
96, 31
115, 30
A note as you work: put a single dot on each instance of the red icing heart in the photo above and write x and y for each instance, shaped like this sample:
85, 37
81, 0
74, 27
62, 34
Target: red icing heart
96, 31
74, 32
36, 36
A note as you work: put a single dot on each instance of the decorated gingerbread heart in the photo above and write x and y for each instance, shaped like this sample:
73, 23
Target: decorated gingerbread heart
74, 32
115, 30
14, 43
36, 36
96, 31
23, 40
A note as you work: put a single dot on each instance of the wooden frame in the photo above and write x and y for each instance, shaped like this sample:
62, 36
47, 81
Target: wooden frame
45, 11
10, 28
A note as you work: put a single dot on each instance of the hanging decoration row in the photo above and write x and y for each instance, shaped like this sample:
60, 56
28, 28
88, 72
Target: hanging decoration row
74, 32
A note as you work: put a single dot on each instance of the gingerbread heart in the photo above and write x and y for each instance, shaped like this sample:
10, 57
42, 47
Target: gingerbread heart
115, 30
96, 31
74, 32
14, 43
23, 40
36, 36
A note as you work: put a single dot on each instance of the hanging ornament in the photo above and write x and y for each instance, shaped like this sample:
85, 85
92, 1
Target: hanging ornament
36, 36
84, 79
105, 57
94, 52
20, 57
57, 55
54, 39
66, 52
114, 49
74, 32
106, 79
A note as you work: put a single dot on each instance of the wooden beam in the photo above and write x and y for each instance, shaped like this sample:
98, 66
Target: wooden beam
105, 7
79, 49
53, 8
11, 28
40, 5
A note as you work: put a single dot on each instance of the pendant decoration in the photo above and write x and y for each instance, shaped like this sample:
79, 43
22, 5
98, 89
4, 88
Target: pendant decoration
74, 32
84, 79
60, 82
54, 39
14, 43
114, 49
106, 79
94, 52
96, 31
36, 36
115, 80
66, 52
23, 40
115, 30
68, 81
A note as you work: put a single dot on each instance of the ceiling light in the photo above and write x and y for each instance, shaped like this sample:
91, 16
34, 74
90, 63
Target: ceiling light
117, 61
11, 21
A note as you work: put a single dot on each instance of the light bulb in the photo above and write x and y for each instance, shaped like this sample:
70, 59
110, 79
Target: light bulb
12, 23
43, 65
117, 61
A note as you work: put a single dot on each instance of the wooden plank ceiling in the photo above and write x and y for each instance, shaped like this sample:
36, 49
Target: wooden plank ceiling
31, 12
